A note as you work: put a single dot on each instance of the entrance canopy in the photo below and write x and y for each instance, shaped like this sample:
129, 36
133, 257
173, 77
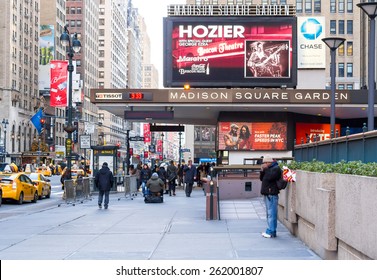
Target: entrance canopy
204, 106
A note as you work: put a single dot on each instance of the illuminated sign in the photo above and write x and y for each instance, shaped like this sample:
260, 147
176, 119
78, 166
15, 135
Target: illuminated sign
261, 136
138, 95
109, 95
230, 52
232, 10
312, 132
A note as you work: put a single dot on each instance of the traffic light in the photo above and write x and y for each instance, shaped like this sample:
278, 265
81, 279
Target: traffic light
43, 121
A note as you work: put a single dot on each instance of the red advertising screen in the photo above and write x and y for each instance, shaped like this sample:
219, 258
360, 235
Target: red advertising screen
321, 131
262, 136
230, 51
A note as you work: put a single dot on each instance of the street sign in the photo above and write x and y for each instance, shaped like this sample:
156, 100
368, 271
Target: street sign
185, 150
85, 141
136, 138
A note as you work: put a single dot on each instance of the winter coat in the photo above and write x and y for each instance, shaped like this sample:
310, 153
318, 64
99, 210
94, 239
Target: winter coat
190, 174
162, 174
172, 172
155, 184
269, 176
145, 175
104, 179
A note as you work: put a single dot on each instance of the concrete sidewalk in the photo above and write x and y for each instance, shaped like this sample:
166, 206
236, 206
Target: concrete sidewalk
130, 229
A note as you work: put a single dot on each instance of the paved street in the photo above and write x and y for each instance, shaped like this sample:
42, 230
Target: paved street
131, 229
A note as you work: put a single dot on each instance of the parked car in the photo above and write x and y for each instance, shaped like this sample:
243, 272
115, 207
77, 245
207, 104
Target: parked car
18, 187
1, 195
43, 184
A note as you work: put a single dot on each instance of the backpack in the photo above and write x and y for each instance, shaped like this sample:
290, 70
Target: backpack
281, 183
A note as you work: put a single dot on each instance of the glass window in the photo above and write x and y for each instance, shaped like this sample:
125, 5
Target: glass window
78, 23
341, 86
349, 48
332, 6
349, 26
299, 6
341, 27
332, 26
349, 86
349, 69
317, 6
341, 50
73, 10
341, 6
283, 2
72, 23
308, 6
349, 6
341, 69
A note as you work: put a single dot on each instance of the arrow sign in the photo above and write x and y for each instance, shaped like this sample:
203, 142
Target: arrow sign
136, 138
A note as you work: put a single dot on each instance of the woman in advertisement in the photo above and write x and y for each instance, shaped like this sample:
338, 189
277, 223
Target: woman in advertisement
244, 139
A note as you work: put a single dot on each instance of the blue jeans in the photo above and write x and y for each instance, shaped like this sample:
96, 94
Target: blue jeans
271, 202
100, 197
144, 188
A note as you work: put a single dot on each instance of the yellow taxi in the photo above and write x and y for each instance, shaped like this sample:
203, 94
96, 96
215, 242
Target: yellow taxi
45, 170
8, 168
43, 184
18, 187
1, 195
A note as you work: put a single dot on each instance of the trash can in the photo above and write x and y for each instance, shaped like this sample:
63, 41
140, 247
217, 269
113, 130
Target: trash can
210, 187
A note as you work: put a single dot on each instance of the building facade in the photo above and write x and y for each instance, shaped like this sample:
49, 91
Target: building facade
19, 53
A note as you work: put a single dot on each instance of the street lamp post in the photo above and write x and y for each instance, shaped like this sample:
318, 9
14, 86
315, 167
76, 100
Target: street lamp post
370, 8
333, 43
5, 123
72, 47
180, 148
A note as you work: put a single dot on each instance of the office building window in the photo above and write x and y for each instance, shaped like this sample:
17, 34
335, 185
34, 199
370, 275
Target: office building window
308, 6
341, 27
78, 23
349, 86
299, 6
341, 86
349, 6
317, 6
332, 6
341, 50
248, 2
72, 23
341, 6
349, 69
349, 48
332, 26
341, 69
349, 26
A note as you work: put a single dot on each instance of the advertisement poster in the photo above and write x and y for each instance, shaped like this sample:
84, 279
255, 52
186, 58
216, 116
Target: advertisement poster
252, 51
46, 55
58, 83
271, 136
311, 51
322, 131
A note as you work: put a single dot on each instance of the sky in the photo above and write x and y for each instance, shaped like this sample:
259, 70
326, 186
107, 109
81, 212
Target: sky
153, 12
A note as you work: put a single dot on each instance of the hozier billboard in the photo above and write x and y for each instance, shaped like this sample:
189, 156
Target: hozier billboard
230, 51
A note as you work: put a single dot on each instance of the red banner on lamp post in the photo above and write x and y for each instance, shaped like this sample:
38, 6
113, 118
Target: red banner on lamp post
58, 83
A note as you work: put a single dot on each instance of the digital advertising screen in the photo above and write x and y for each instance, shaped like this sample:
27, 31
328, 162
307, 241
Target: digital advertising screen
312, 131
230, 51
256, 136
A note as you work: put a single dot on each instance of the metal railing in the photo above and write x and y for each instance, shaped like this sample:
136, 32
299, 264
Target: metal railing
355, 147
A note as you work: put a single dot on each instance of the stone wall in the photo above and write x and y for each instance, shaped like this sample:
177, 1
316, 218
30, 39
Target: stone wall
332, 213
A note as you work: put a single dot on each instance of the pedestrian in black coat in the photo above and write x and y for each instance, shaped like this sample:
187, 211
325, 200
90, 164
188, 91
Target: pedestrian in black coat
104, 180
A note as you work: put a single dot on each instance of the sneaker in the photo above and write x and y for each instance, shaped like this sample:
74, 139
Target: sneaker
106, 206
99, 206
266, 235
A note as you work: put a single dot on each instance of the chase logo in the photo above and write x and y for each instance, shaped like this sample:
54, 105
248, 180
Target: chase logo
311, 29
